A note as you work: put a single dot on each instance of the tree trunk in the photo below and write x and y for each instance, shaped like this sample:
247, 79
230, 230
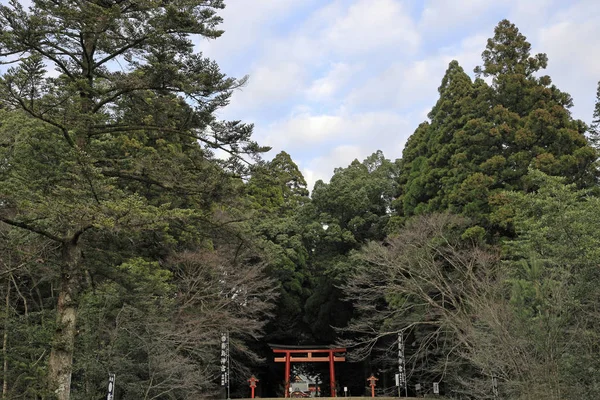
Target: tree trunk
5, 343
61, 356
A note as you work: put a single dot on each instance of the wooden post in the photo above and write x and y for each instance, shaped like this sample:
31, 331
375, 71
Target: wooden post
253, 381
332, 373
372, 381
287, 373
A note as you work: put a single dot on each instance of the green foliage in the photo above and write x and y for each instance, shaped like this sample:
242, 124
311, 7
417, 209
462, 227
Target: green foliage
116, 320
27, 356
507, 53
278, 185
482, 138
112, 158
554, 280
595, 127
277, 193
529, 320
25, 318
113, 199
358, 198
355, 207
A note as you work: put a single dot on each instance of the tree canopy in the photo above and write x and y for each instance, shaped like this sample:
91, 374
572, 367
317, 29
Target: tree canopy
481, 139
115, 144
136, 226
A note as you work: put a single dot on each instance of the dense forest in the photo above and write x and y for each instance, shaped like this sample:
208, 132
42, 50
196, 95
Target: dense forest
136, 226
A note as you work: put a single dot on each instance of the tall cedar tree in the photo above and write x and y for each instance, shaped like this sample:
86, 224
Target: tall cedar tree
128, 99
482, 138
278, 193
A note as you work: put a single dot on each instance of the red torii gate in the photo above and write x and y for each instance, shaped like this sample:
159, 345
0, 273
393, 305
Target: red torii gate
305, 354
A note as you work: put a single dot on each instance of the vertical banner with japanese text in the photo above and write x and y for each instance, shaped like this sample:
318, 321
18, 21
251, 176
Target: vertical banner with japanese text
401, 369
224, 360
111, 387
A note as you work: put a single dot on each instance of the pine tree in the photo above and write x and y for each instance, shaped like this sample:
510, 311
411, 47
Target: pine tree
119, 139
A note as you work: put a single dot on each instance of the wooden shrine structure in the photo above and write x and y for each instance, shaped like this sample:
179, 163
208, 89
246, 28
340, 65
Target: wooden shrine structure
290, 354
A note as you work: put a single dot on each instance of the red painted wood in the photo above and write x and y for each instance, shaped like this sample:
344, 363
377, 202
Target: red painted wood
332, 373
306, 355
372, 381
253, 381
287, 373
310, 359
340, 350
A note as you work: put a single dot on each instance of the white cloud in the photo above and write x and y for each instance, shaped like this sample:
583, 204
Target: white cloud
569, 38
564, 40
379, 112
247, 23
405, 84
443, 15
536, 12
398, 86
268, 85
370, 25
336, 37
322, 142
309, 132
304, 130
344, 78
338, 76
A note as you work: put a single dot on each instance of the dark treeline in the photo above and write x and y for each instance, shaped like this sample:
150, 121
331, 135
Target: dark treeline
129, 242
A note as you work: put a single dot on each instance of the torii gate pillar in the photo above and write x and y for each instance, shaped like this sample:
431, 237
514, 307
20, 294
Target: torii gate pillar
332, 373
287, 373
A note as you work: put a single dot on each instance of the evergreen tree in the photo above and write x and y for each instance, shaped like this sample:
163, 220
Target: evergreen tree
554, 279
482, 138
538, 129
595, 127
119, 142
354, 208
277, 191
429, 179
278, 185
26, 277
357, 200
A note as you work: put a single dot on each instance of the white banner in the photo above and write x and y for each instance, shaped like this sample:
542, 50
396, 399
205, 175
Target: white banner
111, 387
401, 376
224, 358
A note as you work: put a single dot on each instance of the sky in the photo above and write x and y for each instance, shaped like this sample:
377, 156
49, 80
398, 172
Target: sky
331, 81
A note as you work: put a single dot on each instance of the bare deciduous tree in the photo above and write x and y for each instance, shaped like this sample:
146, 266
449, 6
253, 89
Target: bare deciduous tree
164, 340
451, 294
